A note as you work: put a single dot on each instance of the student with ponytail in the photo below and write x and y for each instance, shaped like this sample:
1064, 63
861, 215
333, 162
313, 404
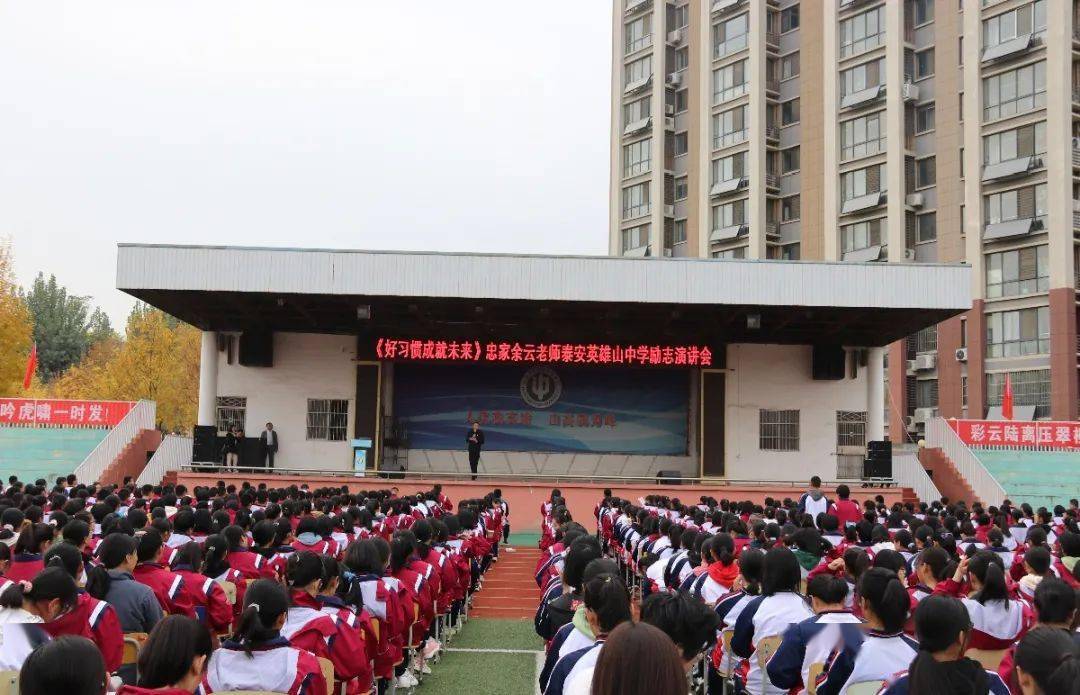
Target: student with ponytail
720, 572
355, 633
172, 593
883, 649
250, 565
24, 606
746, 588
997, 620
257, 657
940, 667
26, 555
1048, 663
91, 618
173, 659
211, 604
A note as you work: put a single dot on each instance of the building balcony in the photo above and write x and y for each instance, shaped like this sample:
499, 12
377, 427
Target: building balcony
772, 132
772, 84
1011, 229
728, 139
730, 232
728, 186
772, 39
862, 97
863, 203
1011, 168
875, 252
1011, 47
724, 6
635, 6
772, 181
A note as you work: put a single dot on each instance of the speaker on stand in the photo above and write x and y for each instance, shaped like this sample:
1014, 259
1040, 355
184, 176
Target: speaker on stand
878, 464
204, 448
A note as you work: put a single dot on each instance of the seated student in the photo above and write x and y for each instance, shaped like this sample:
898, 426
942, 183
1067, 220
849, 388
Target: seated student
718, 553
883, 649
560, 610
169, 588
997, 621
689, 623
355, 632
638, 659
69, 665
1037, 566
1048, 663
112, 581
26, 556
250, 565
808, 645
728, 609
173, 659
364, 586
24, 606
846, 512
607, 605
90, 618
77, 534
940, 667
212, 606
1066, 566
257, 657
1055, 607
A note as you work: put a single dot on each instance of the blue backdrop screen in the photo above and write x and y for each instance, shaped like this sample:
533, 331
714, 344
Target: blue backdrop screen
542, 408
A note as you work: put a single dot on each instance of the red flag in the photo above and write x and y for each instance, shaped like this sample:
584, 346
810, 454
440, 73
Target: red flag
31, 367
1007, 399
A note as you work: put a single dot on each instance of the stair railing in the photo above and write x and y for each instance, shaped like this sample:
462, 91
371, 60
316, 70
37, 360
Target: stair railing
174, 451
909, 472
940, 436
142, 416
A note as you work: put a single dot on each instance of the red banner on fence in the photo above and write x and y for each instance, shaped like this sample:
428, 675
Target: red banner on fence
32, 411
1013, 433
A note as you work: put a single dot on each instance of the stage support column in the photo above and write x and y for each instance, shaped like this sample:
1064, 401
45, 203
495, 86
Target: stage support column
875, 395
208, 369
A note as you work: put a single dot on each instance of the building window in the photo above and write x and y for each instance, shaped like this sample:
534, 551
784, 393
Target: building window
682, 59
1021, 271
635, 111
860, 77
1030, 387
231, 413
729, 82
924, 11
960, 49
638, 34
789, 66
729, 127
778, 430
964, 391
924, 118
851, 428
789, 19
925, 172
1018, 333
1025, 141
678, 235
789, 208
635, 237
924, 63
681, 17
327, 419
1023, 21
790, 252
862, 32
1014, 91
926, 340
681, 145
926, 393
682, 100
789, 112
1017, 204
731, 214
729, 168
861, 137
861, 235
732, 254
730, 36
638, 70
636, 201
637, 158
789, 160
926, 227
860, 182
682, 188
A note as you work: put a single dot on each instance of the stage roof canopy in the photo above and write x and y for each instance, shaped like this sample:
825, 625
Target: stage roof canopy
581, 297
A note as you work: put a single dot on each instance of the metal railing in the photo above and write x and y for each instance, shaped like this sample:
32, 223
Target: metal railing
940, 436
910, 473
141, 417
175, 451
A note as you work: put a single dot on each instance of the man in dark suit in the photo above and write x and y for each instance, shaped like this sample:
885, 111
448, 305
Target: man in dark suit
269, 442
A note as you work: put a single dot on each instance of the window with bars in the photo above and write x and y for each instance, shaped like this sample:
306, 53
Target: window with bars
1030, 387
926, 393
327, 419
926, 339
778, 430
231, 413
851, 428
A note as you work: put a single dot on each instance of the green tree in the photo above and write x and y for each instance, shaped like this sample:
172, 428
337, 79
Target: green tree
61, 325
99, 328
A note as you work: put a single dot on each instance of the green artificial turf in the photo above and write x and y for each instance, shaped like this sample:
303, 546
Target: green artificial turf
472, 673
524, 539
490, 633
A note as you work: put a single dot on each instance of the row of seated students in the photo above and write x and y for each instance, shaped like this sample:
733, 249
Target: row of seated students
272, 590
929, 598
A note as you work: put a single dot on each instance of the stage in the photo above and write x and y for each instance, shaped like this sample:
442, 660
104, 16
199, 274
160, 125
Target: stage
526, 495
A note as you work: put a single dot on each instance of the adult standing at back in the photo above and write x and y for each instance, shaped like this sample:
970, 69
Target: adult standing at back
475, 442
813, 501
268, 442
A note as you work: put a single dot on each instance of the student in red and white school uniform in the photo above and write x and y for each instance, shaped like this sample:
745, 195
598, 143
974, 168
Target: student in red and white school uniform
308, 538
364, 586
169, 588
250, 565
1066, 563
1036, 538
344, 531
258, 657
264, 537
211, 605
997, 620
173, 658
355, 632
90, 618
26, 556
307, 627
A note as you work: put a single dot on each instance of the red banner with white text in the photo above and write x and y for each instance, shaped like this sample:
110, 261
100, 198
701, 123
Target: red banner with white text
59, 413
1017, 434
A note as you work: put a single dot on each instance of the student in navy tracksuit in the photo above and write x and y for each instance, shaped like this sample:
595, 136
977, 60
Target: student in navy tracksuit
944, 628
807, 646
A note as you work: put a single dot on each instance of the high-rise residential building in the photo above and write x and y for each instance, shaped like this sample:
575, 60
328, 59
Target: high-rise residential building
870, 130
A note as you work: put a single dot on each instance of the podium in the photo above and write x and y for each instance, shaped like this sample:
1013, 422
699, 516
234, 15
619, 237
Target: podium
360, 448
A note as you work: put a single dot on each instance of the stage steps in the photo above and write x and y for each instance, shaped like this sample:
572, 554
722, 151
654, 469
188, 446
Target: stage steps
510, 591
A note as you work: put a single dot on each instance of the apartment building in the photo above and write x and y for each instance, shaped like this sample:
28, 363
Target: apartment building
870, 130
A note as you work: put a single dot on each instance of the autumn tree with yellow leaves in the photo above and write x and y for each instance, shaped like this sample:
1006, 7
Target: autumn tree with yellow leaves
16, 328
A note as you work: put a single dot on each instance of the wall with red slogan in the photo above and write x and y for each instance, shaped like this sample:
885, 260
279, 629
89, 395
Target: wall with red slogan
59, 413
1018, 434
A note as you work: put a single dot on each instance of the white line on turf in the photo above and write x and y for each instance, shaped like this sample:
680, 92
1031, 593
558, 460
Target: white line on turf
492, 651
539, 668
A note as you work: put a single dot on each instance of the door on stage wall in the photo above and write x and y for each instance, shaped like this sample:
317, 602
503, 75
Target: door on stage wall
712, 423
366, 425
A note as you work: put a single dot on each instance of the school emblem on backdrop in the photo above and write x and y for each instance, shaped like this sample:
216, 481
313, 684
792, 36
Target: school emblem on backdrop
541, 387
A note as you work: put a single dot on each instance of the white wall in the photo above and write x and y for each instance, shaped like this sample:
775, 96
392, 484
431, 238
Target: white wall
779, 377
306, 365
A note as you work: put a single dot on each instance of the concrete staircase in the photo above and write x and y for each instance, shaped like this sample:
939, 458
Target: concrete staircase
132, 459
947, 478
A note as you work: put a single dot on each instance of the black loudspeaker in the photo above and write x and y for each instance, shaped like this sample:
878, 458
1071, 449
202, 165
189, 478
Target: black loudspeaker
878, 459
204, 444
669, 477
828, 362
879, 449
257, 349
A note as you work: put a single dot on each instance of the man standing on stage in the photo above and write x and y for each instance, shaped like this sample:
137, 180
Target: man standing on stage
268, 440
475, 441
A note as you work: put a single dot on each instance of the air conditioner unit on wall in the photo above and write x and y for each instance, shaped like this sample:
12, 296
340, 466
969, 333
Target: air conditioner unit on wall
924, 415
674, 79
961, 354
911, 366
910, 92
669, 123
669, 109
915, 200
909, 423
926, 362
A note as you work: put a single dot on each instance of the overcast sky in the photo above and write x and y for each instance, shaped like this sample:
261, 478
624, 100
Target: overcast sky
479, 125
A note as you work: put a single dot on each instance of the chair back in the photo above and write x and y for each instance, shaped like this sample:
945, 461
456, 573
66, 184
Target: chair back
765, 649
133, 641
726, 636
989, 658
9, 683
328, 674
865, 688
230, 592
816, 669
